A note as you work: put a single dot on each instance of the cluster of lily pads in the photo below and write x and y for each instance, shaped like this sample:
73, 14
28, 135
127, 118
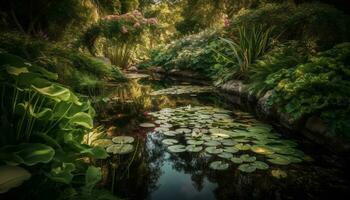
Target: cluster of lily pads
227, 137
118, 145
183, 89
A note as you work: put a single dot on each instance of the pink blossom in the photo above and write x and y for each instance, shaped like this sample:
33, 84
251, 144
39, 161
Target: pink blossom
137, 24
152, 21
124, 29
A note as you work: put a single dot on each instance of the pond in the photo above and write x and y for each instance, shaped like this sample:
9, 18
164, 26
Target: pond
189, 143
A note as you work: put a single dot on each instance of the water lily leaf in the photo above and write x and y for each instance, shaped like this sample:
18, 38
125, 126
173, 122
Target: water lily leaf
248, 168
218, 165
161, 129
260, 165
27, 153
120, 149
166, 125
183, 130
247, 158
170, 133
220, 132
169, 141
123, 139
236, 160
243, 147
261, 150
221, 116
231, 149
277, 173
225, 155
11, 177
228, 142
212, 143
194, 148
177, 148
195, 142
147, 125
213, 150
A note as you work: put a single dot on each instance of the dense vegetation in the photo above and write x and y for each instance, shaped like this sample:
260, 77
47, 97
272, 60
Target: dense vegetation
56, 57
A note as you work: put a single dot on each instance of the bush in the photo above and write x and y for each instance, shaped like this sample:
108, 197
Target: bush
319, 25
283, 56
70, 65
193, 53
321, 85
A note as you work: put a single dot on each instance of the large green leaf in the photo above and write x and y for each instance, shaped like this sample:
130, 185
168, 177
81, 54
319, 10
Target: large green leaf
27, 153
62, 173
92, 176
82, 119
96, 152
12, 176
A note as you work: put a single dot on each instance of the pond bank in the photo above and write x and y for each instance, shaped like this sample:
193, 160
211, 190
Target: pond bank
312, 127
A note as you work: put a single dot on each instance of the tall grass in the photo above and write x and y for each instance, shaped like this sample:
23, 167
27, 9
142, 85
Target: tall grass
243, 50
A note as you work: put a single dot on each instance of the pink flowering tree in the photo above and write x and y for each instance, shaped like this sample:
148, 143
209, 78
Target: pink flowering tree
121, 34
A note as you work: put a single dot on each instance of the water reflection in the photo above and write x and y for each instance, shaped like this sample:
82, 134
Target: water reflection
151, 172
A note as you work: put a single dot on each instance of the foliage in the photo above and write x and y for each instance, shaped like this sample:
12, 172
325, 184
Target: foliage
193, 53
42, 121
43, 17
80, 71
121, 33
244, 50
320, 85
320, 26
282, 56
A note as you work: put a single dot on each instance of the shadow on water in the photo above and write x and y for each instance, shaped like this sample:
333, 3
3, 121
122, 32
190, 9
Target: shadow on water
152, 172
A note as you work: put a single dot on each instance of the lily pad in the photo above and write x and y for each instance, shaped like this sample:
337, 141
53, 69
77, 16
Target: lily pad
195, 142
194, 148
213, 150
177, 148
228, 142
247, 158
218, 165
243, 147
161, 129
225, 155
236, 160
147, 125
183, 130
279, 161
170, 133
212, 143
260, 165
231, 149
170, 141
261, 150
123, 139
120, 149
248, 168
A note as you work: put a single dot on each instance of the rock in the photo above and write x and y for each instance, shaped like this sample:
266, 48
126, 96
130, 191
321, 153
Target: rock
132, 68
316, 124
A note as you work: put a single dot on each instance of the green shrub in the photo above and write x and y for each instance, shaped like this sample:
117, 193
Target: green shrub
282, 56
321, 85
193, 53
70, 64
42, 121
319, 25
250, 44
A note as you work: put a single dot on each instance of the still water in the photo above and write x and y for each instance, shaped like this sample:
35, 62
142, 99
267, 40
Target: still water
205, 148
